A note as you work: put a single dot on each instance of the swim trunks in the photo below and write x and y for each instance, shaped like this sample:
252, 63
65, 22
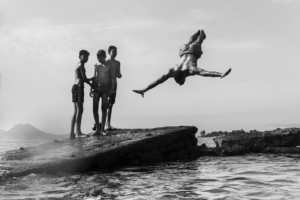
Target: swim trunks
77, 93
193, 48
102, 88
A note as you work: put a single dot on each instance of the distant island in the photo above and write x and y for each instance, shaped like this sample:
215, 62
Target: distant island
25, 132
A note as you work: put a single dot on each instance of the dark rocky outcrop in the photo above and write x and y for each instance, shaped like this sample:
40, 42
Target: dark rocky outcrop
276, 141
120, 148
126, 147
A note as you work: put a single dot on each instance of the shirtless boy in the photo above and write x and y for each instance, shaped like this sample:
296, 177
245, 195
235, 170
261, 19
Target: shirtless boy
115, 73
189, 54
101, 89
78, 93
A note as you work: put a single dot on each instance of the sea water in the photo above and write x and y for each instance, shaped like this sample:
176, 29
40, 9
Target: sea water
256, 176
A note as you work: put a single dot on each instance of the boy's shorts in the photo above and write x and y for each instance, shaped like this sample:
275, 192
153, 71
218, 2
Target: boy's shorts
102, 88
77, 93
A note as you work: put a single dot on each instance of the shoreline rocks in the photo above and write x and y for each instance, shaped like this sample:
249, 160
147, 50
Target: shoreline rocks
276, 141
127, 147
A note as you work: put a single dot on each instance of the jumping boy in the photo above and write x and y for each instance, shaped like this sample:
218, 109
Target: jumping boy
114, 66
189, 54
78, 93
101, 89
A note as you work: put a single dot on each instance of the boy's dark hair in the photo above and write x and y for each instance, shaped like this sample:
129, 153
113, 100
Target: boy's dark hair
101, 53
178, 75
83, 52
111, 47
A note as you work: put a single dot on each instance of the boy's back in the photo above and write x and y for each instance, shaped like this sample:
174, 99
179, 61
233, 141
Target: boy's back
79, 71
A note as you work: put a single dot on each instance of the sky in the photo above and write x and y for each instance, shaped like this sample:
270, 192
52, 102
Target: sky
258, 39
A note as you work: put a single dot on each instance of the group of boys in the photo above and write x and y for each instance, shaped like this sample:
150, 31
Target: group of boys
104, 82
103, 86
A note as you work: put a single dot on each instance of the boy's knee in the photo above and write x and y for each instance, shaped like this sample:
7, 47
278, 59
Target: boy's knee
104, 107
80, 110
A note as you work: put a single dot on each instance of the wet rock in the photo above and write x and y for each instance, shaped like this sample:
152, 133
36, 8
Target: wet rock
122, 147
203, 146
259, 142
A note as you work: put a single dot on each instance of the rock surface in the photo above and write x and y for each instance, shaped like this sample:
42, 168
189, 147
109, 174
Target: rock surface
120, 148
126, 147
276, 141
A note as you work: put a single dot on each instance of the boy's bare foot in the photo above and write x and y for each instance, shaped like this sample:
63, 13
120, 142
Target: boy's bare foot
103, 133
96, 133
110, 128
226, 73
82, 135
95, 126
141, 92
72, 136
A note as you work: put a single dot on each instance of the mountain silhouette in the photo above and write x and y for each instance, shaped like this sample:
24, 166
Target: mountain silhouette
28, 132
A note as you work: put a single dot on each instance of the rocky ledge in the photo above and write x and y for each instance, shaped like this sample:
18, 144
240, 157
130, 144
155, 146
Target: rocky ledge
119, 148
278, 141
125, 147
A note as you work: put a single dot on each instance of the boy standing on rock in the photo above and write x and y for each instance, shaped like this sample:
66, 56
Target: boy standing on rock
101, 89
78, 93
114, 66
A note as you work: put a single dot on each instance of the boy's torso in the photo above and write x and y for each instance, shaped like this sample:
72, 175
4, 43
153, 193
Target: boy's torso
114, 66
102, 73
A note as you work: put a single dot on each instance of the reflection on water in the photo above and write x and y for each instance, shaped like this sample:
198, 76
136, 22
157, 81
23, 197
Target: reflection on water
240, 177
247, 177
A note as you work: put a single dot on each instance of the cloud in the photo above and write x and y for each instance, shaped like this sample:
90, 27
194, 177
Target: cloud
35, 39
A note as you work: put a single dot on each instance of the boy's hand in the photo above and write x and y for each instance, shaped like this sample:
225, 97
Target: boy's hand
141, 92
226, 73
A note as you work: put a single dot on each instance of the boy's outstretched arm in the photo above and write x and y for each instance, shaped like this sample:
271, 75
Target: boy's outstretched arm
160, 80
83, 75
202, 72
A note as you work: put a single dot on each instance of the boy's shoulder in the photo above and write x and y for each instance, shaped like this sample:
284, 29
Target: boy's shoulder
80, 65
113, 61
100, 65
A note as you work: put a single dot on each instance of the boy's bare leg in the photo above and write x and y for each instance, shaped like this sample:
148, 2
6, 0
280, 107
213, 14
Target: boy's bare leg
78, 118
109, 111
96, 98
104, 111
194, 37
73, 121
201, 37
